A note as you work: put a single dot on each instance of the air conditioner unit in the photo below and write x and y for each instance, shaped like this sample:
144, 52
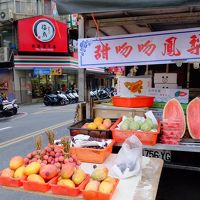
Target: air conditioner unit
6, 15
4, 54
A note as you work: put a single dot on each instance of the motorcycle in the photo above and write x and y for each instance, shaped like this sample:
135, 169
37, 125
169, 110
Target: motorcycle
55, 99
100, 94
8, 108
71, 97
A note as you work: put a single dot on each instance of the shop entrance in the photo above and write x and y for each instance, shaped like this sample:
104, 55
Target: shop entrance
46, 84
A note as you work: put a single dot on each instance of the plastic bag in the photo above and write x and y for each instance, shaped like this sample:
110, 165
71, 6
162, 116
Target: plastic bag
129, 159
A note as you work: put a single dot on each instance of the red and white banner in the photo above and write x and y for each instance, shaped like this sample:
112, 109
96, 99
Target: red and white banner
140, 49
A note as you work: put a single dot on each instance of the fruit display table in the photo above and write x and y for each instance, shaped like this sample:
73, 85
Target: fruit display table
144, 186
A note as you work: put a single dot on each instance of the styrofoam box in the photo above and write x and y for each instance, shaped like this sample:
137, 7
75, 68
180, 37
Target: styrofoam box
165, 78
168, 85
123, 91
164, 95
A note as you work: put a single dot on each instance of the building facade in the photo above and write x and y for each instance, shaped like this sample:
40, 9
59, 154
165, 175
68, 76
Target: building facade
18, 78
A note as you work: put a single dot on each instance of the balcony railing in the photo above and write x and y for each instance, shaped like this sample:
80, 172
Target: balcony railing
27, 7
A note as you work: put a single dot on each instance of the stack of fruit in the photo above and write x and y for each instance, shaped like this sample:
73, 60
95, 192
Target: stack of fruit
33, 172
145, 125
98, 123
51, 153
70, 176
40, 174
171, 132
16, 168
101, 182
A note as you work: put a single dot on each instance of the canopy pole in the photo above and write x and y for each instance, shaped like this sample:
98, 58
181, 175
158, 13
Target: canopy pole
81, 72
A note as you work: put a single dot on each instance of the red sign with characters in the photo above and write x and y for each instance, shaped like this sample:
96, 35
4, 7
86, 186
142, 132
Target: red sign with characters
42, 34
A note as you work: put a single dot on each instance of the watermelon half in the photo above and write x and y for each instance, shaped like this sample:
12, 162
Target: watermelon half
173, 111
193, 118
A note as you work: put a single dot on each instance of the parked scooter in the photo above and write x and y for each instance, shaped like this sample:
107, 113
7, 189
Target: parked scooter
55, 99
8, 108
101, 94
72, 98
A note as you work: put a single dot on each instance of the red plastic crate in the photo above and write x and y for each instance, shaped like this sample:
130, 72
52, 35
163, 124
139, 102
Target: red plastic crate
36, 187
11, 182
67, 191
92, 155
133, 102
93, 195
147, 138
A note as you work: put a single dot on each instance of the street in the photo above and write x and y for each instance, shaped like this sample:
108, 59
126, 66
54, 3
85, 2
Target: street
17, 136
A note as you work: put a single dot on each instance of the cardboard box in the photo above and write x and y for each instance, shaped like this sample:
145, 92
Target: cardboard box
164, 95
130, 87
166, 86
165, 78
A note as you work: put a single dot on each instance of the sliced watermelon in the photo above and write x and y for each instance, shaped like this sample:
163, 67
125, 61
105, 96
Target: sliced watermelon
173, 112
193, 118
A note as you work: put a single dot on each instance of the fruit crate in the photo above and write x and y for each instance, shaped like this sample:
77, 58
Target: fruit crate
36, 187
133, 102
65, 190
95, 195
147, 138
76, 129
92, 155
11, 182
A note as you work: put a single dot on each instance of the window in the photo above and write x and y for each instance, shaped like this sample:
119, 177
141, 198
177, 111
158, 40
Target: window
47, 7
26, 6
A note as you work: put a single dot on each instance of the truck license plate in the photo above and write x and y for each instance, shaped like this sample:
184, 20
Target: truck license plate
165, 155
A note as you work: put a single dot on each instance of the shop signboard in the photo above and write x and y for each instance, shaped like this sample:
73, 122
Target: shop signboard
42, 34
119, 71
3, 85
140, 49
41, 71
56, 71
72, 21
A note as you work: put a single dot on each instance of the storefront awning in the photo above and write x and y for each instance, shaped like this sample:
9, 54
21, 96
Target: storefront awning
91, 6
32, 62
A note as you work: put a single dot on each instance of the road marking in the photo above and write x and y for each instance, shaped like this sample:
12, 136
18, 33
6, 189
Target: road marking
54, 110
8, 127
33, 134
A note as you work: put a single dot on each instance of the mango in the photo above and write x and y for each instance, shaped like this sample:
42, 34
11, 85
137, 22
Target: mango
110, 180
102, 127
7, 172
107, 123
106, 187
78, 176
92, 185
98, 120
35, 178
32, 168
19, 173
66, 182
48, 171
67, 170
92, 125
16, 162
100, 174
